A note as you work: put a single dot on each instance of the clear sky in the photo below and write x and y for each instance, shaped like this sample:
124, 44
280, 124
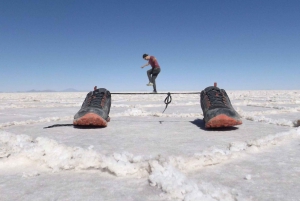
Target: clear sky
59, 44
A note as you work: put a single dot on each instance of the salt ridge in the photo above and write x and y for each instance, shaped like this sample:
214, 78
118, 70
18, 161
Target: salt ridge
42, 120
164, 173
254, 116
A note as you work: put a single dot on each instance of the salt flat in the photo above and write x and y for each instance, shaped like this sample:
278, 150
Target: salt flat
145, 154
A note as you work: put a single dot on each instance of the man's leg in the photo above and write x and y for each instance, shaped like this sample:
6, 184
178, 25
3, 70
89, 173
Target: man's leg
155, 73
149, 72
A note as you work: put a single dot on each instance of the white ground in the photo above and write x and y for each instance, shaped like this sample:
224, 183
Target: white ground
146, 155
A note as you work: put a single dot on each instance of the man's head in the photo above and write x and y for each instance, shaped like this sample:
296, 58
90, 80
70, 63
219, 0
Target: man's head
146, 56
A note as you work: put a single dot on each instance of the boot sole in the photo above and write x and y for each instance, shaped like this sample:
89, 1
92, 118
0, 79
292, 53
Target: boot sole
222, 120
90, 119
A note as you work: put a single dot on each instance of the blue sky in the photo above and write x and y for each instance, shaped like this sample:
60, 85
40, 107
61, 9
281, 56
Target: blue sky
57, 44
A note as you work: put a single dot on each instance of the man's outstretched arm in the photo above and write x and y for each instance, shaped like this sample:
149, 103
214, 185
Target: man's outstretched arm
145, 65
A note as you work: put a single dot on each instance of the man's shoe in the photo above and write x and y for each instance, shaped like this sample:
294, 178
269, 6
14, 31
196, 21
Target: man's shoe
95, 109
154, 92
217, 109
150, 84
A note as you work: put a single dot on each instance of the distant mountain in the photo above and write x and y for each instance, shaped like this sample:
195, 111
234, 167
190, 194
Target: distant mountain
47, 90
70, 90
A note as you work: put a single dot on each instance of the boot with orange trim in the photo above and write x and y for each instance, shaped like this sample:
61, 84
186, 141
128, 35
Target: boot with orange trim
217, 109
95, 109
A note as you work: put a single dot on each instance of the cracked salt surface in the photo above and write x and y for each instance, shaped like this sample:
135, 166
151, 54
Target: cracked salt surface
146, 155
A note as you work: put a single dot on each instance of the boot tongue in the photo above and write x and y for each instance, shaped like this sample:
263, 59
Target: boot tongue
100, 90
207, 89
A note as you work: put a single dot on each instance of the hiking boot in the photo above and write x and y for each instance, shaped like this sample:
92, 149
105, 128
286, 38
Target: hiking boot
95, 109
217, 108
150, 84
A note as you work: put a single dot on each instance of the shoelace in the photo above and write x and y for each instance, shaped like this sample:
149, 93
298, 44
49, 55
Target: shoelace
95, 99
216, 98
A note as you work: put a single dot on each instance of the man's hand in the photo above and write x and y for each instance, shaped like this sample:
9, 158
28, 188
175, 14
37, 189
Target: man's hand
145, 65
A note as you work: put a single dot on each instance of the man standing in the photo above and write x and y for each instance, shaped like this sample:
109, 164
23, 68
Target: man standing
152, 73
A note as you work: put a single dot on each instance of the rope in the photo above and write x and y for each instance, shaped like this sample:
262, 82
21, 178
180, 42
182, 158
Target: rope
146, 93
167, 101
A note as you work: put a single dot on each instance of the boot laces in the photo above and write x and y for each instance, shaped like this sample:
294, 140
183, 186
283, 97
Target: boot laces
95, 99
216, 98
